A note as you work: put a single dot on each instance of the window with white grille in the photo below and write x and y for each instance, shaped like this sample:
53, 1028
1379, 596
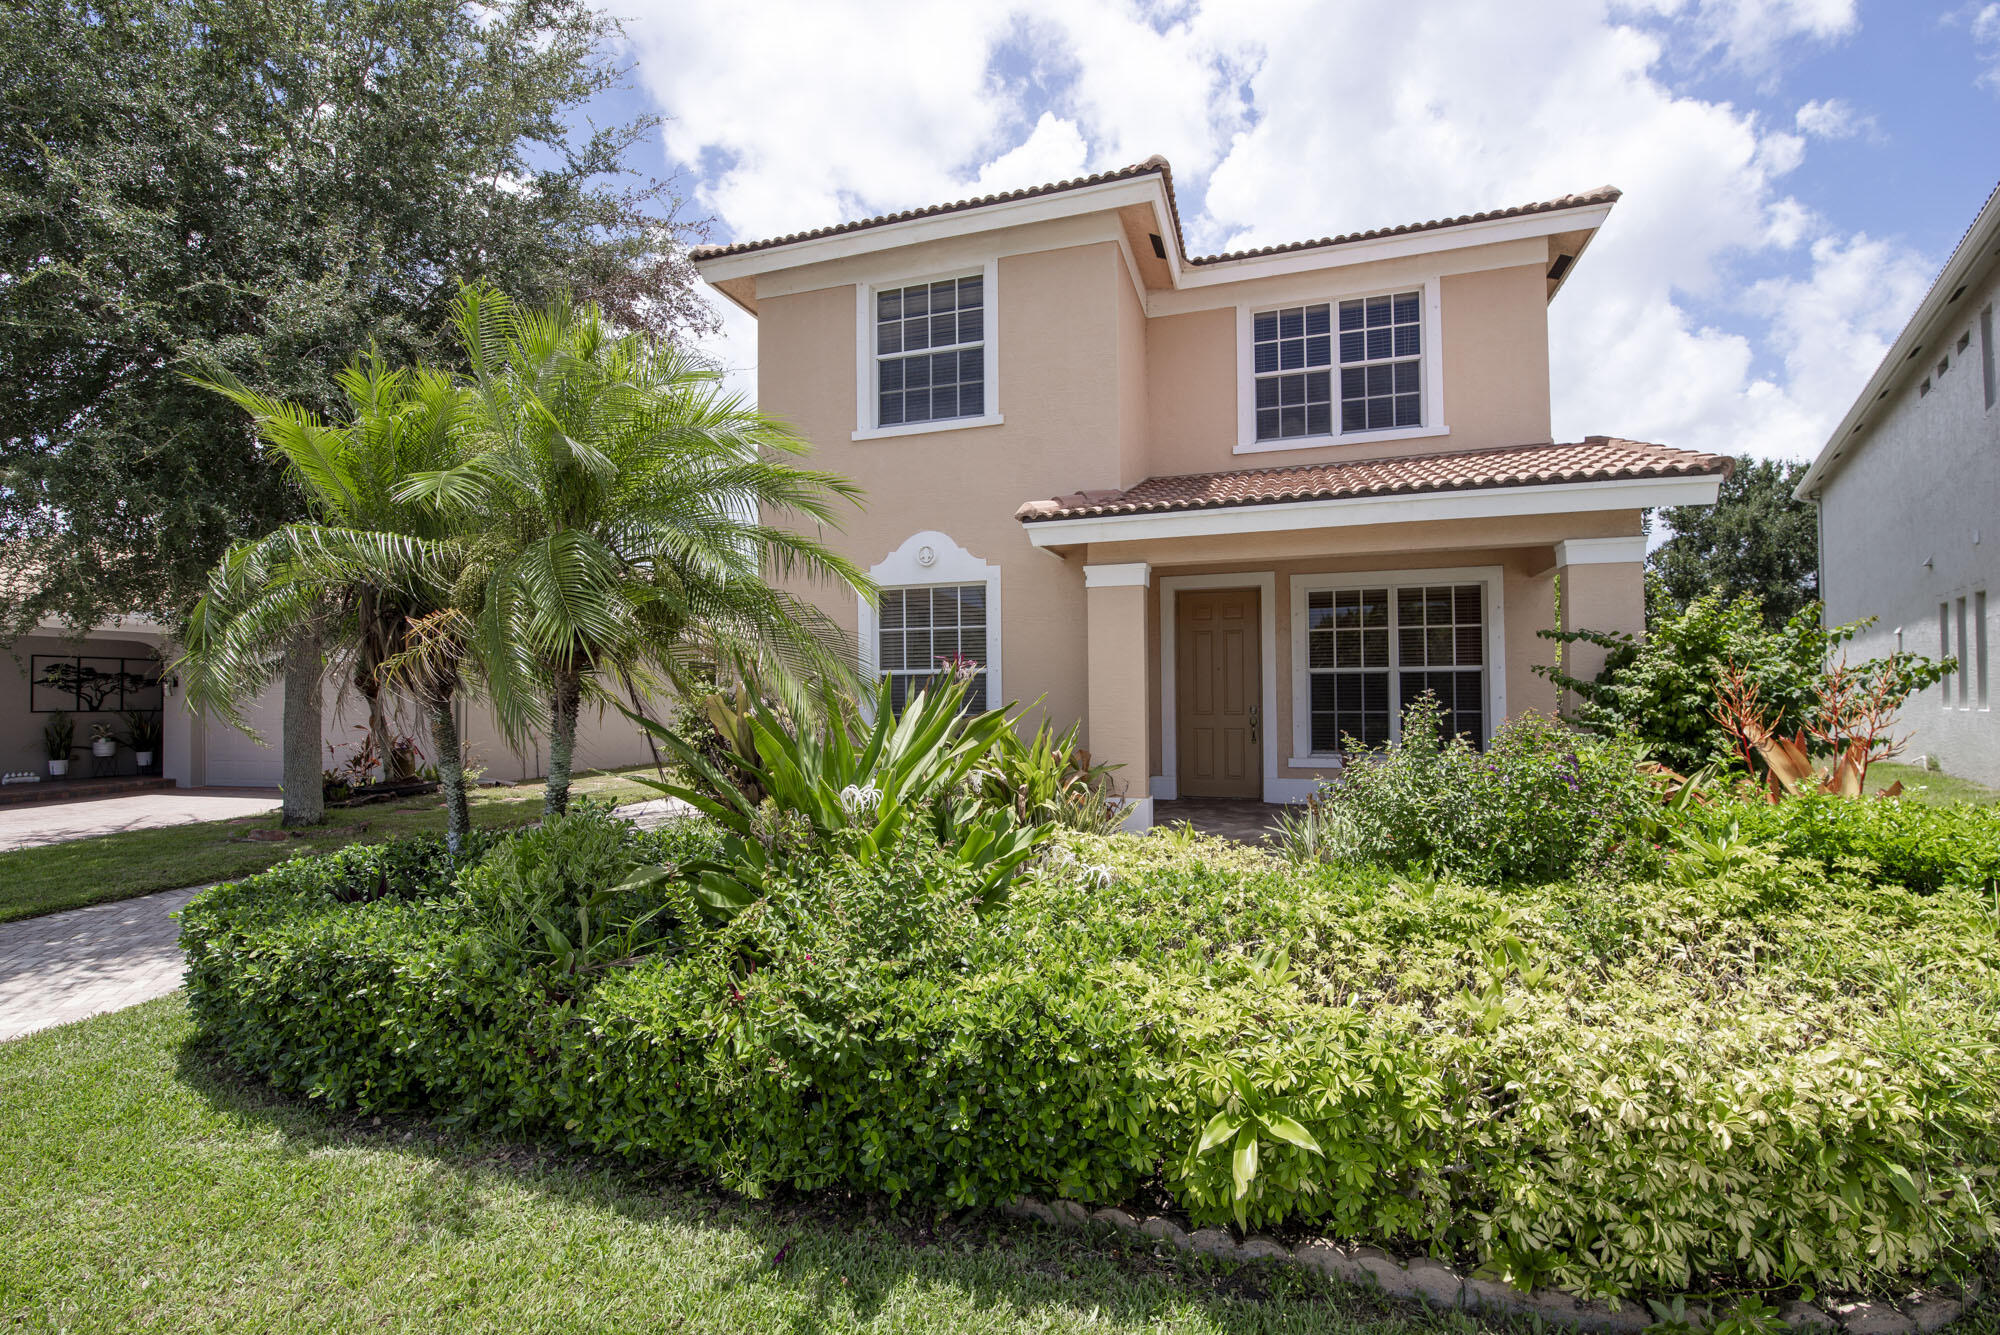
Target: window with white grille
929, 629
1371, 652
930, 351
1339, 367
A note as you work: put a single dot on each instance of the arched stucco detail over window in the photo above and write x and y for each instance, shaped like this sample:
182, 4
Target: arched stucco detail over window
932, 558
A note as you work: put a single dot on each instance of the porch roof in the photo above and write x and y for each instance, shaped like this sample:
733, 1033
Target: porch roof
1590, 460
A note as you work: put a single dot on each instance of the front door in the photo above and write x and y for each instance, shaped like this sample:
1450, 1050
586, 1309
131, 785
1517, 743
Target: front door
1217, 671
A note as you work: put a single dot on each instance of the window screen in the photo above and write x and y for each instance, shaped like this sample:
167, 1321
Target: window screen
925, 630
1367, 374
930, 351
1370, 652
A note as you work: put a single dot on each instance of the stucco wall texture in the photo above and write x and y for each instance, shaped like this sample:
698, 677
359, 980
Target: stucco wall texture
1910, 528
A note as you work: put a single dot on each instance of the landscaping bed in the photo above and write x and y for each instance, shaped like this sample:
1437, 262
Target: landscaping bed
1732, 1072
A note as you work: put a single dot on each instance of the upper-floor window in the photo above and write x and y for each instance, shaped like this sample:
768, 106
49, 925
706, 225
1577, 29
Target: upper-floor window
930, 351
1361, 358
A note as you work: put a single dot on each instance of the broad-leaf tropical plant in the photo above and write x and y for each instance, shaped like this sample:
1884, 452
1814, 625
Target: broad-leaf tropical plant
638, 521
373, 562
856, 785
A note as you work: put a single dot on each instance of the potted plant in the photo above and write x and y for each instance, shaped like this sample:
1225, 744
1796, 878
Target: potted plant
142, 734
103, 741
59, 739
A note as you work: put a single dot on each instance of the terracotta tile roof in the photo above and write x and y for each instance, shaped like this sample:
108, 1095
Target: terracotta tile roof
1592, 459
1149, 166
1603, 194
1158, 165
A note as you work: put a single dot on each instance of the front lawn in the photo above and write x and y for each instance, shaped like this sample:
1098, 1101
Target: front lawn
150, 1190
118, 866
1930, 786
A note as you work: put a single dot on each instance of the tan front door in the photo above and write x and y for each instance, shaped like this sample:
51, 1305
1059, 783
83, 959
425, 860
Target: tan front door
1216, 675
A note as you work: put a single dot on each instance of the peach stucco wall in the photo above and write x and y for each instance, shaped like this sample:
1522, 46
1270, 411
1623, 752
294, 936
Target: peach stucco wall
1494, 362
1064, 383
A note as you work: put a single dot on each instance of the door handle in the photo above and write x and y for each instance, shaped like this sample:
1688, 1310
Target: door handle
1256, 717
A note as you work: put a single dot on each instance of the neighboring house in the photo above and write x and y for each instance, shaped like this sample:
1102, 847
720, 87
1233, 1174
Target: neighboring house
1226, 510
1908, 489
122, 666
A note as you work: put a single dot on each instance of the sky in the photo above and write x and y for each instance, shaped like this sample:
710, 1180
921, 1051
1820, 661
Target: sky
1795, 171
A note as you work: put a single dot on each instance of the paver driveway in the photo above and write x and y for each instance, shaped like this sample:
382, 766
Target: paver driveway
33, 823
70, 966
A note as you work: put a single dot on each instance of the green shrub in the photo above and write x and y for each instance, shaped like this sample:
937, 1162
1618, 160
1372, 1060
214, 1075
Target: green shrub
1783, 1075
1662, 690
1890, 841
1540, 804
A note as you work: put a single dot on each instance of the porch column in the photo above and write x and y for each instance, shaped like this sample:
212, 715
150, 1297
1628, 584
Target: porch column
1603, 588
1115, 626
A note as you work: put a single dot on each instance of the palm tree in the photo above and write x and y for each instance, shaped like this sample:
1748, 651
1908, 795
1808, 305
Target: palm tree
372, 571
626, 502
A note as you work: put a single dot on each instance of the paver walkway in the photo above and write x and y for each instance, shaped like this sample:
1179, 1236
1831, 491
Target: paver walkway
73, 965
34, 823
70, 966
1246, 821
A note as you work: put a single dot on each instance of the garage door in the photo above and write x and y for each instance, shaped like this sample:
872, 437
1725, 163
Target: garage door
234, 761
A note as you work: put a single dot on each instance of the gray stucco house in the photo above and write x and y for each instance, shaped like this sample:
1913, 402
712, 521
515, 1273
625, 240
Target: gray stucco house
1908, 489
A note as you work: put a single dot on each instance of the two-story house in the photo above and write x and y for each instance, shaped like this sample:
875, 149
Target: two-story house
1908, 489
1228, 510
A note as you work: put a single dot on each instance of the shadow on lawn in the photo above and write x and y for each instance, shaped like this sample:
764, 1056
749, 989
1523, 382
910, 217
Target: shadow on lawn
845, 1255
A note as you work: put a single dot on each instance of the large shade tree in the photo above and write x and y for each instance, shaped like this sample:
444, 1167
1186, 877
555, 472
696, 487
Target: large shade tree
266, 188
1756, 539
636, 521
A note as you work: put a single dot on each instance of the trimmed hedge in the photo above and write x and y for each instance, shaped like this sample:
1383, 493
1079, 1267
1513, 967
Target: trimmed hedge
1790, 1077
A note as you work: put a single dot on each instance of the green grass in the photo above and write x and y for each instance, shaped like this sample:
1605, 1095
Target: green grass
118, 866
149, 1190
1928, 785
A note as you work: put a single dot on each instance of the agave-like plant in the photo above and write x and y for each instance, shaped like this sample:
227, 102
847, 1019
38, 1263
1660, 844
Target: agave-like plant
857, 785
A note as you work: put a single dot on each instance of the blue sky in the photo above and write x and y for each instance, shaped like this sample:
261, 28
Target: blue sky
1795, 170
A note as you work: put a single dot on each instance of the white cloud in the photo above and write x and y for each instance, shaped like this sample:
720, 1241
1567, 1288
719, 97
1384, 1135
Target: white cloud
1833, 118
1750, 35
1983, 21
799, 115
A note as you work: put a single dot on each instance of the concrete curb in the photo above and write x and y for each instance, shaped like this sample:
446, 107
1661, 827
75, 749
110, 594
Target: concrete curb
1422, 1279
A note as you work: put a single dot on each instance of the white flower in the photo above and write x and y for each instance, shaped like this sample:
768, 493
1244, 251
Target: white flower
855, 800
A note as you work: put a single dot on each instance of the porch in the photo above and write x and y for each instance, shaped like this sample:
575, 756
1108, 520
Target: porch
1240, 628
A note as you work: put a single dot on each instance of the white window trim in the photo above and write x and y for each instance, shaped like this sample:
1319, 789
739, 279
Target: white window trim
930, 558
864, 354
1494, 579
1432, 372
1166, 785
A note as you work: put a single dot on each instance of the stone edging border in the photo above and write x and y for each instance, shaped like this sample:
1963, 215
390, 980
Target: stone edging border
1438, 1285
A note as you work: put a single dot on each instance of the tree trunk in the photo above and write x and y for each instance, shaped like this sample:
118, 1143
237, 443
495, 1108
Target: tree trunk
565, 694
451, 774
305, 799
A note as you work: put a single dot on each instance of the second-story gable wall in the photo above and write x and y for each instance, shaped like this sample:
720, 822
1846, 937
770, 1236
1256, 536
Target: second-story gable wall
1492, 356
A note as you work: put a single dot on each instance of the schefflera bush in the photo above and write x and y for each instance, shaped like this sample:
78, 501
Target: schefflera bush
1786, 1076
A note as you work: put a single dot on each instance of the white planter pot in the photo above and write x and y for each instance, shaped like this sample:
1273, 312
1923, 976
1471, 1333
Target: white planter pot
103, 747
58, 768
143, 758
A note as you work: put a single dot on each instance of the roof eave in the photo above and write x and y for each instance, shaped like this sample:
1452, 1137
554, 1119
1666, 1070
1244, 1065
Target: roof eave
1458, 503
1979, 246
1147, 188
